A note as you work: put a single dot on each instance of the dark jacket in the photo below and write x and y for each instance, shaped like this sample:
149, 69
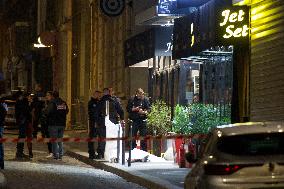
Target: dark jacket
134, 102
22, 112
115, 110
37, 105
92, 109
57, 110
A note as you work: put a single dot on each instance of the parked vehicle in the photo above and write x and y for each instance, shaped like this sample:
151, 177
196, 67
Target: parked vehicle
10, 119
249, 155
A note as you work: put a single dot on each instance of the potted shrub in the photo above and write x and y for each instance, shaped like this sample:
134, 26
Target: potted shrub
180, 124
204, 117
158, 123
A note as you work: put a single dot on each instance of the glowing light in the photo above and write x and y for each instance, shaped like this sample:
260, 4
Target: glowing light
40, 45
192, 36
229, 19
219, 133
232, 17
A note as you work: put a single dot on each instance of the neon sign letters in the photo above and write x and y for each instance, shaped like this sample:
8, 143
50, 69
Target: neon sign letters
234, 24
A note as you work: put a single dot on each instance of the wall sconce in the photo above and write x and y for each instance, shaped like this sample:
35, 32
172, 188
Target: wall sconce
39, 44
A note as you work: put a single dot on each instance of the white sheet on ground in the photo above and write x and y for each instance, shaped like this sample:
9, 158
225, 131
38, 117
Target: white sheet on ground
140, 154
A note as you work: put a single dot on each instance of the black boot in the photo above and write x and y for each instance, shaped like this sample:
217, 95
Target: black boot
20, 151
30, 147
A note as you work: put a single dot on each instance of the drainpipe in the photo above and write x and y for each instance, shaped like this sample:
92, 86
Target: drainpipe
91, 46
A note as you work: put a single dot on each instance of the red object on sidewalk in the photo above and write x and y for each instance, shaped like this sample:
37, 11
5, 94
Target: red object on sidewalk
182, 156
178, 142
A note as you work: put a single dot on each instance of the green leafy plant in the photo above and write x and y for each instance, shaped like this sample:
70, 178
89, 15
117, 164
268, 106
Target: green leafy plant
159, 118
181, 120
198, 118
206, 116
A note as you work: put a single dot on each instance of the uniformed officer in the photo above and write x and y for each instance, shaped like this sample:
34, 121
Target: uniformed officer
56, 117
92, 111
116, 114
138, 107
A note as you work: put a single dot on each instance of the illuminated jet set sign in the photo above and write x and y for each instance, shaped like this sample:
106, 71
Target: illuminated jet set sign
234, 23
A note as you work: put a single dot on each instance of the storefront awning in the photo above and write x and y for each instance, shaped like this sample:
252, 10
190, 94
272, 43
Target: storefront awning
144, 46
163, 13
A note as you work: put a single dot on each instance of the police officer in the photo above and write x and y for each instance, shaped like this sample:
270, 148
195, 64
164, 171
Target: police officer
44, 122
56, 116
138, 107
37, 105
116, 113
23, 118
92, 111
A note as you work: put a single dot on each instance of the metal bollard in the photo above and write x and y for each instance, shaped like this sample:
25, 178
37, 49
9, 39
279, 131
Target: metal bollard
130, 146
118, 144
123, 146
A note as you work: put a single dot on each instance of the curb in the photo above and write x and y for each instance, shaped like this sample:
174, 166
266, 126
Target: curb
129, 175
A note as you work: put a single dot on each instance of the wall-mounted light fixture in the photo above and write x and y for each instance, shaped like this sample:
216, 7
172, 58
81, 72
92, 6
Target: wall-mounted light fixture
39, 44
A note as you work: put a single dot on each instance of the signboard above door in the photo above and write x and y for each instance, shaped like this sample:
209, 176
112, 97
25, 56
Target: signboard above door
233, 25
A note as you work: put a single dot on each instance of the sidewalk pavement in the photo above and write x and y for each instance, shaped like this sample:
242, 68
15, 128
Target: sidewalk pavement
153, 175
3, 181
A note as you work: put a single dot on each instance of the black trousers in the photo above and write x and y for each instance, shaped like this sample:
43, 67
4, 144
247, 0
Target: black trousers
36, 128
93, 133
141, 126
45, 134
101, 130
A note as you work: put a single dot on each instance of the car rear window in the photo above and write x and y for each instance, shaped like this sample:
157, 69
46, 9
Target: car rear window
252, 144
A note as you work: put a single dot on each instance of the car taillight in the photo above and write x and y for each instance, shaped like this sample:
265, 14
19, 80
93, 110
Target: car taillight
211, 169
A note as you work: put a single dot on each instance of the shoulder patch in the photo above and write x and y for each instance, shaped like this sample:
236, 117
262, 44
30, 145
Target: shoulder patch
61, 107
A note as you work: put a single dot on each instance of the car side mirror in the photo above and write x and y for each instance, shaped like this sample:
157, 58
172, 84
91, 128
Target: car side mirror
190, 157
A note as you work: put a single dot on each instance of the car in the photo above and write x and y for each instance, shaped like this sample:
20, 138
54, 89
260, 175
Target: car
10, 119
239, 156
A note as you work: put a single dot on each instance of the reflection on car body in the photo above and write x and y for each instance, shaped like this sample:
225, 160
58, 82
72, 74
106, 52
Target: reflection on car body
250, 155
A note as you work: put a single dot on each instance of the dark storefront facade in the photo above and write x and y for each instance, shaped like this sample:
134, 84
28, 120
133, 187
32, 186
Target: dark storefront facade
146, 54
216, 36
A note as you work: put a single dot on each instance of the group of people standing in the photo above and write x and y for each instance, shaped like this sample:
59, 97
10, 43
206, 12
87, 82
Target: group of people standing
137, 108
49, 111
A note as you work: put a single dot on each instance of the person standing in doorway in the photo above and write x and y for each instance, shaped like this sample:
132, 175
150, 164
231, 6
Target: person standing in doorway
57, 111
138, 106
92, 111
